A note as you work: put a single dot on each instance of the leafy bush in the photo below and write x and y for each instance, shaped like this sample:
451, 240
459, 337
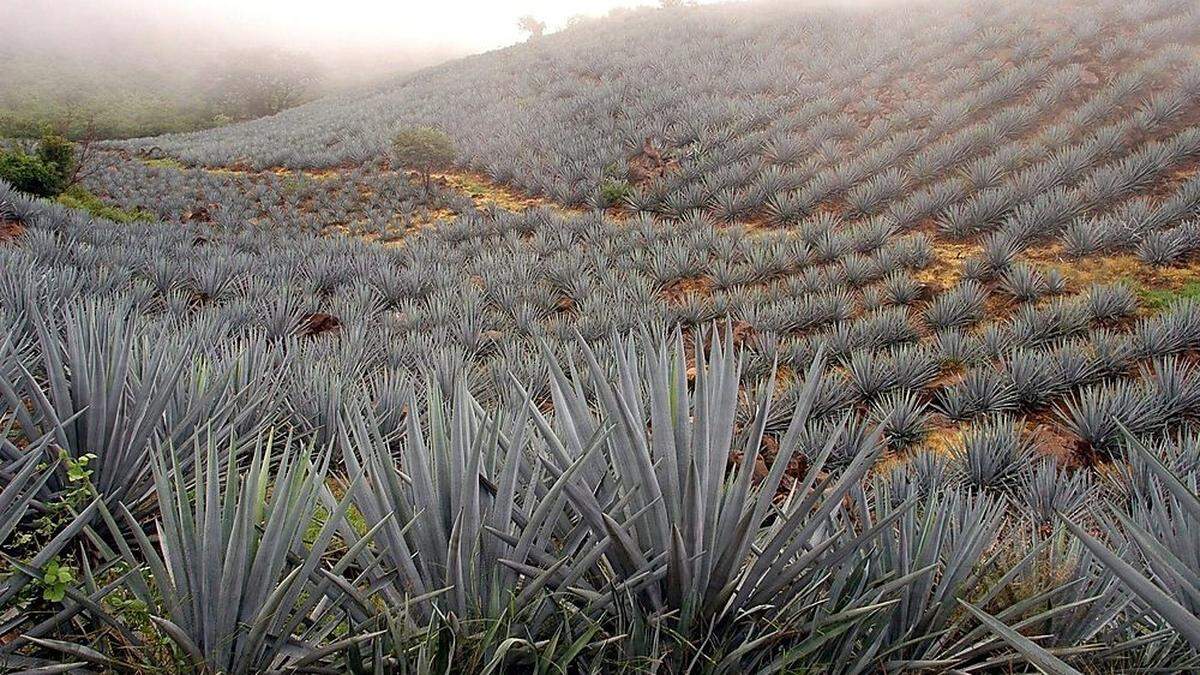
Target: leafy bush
30, 174
57, 153
614, 192
46, 173
424, 150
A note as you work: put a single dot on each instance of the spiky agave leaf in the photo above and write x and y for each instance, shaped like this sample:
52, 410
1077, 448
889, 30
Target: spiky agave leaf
23, 479
107, 390
686, 536
1165, 534
233, 582
1030, 650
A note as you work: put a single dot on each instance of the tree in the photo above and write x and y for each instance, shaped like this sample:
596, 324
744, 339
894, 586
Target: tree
424, 150
83, 155
532, 26
258, 83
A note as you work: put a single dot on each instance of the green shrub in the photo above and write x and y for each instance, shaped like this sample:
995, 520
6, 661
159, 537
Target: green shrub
46, 173
424, 150
59, 154
614, 192
30, 174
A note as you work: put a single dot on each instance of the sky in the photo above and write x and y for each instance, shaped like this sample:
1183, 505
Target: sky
471, 24
319, 26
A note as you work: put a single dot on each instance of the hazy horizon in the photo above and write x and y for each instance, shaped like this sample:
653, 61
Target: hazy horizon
362, 34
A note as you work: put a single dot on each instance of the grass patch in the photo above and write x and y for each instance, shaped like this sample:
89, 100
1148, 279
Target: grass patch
77, 197
1157, 300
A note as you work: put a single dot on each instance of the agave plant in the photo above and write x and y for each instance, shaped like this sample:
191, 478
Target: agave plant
237, 577
112, 393
941, 552
685, 539
1048, 490
1162, 529
464, 522
995, 454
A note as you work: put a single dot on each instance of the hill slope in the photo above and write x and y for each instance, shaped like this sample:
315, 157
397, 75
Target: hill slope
952, 256
723, 84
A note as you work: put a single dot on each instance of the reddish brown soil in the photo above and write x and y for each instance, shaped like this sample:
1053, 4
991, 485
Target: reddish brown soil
650, 164
677, 292
1052, 441
317, 324
10, 230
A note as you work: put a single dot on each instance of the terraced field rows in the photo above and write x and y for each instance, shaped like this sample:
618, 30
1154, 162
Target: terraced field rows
742, 338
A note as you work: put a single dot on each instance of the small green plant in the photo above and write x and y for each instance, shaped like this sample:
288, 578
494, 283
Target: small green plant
56, 579
78, 493
1157, 300
125, 604
614, 192
78, 197
77, 469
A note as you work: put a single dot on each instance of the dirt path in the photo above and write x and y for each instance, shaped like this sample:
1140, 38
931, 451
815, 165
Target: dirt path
488, 194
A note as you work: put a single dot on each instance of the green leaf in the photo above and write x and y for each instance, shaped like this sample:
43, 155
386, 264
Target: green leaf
1036, 655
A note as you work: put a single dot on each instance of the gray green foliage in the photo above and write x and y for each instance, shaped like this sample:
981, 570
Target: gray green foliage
765, 419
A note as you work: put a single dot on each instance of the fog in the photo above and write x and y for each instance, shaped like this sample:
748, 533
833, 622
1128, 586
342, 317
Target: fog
351, 39
126, 68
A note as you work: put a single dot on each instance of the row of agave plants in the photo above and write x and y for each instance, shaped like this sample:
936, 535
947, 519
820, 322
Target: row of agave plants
161, 520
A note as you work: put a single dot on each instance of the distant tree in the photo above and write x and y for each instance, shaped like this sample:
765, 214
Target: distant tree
257, 83
84, 152
424, 150
532, 26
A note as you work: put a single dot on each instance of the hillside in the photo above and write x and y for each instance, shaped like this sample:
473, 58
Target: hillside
748, 337
716, 83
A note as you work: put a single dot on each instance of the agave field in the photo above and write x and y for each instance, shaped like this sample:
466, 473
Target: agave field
742, 338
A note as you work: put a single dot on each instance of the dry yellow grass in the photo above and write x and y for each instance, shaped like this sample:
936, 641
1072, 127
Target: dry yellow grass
946, 268
1103, 269
486, 193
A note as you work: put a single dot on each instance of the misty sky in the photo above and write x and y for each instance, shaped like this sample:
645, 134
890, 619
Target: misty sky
319, 26
473, 24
